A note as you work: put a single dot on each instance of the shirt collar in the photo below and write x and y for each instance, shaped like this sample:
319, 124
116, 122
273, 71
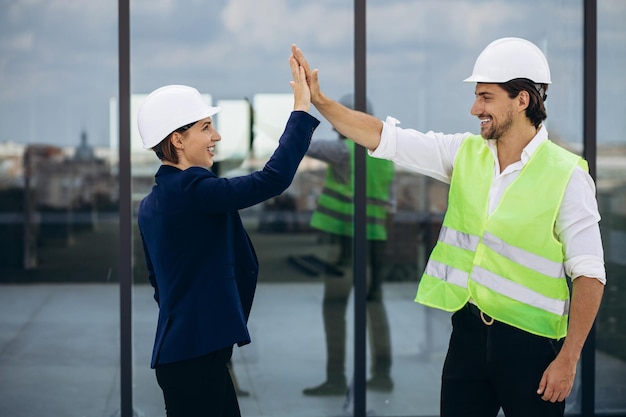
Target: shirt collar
529, 150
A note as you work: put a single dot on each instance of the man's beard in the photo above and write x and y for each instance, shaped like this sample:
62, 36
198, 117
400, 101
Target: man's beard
496, 131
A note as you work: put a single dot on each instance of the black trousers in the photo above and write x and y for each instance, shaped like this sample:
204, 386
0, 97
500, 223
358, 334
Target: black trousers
493, 367
199, 387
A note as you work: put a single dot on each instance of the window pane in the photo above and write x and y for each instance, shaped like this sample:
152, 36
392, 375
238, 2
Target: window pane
415, 74
59, 349
236, 53
410, 81
611, 187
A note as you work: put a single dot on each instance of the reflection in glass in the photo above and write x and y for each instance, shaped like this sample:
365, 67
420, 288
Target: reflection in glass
611, 189
59, 349
333, 217
414, 74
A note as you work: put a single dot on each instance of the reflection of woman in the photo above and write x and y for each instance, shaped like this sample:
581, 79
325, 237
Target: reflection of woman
200, 260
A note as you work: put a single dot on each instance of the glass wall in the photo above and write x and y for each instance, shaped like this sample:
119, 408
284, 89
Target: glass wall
59, 292
415, 74
59, 321
611, 188
236, 54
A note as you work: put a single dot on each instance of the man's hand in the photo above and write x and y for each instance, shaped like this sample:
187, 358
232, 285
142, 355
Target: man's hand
311, 75
557, 380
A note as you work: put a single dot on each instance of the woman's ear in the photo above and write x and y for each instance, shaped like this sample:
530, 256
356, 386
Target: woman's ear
177, 140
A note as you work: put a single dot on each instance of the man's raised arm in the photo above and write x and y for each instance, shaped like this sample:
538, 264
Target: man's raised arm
360, 127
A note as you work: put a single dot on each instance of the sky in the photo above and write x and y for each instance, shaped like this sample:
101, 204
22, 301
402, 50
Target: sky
58, 58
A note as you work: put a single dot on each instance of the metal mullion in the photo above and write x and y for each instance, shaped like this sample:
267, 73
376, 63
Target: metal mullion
360, 219
125, 230
590, 34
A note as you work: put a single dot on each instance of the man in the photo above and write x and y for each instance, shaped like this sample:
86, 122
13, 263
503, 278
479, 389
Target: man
333, 216
522, 216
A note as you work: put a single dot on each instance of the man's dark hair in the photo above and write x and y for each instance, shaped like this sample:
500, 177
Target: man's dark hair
536, 110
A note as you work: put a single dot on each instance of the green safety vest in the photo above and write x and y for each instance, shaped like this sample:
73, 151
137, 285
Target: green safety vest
335, 207
508, 261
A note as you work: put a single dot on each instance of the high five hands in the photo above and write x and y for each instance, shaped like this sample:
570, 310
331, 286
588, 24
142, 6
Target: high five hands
299, 86
311, 75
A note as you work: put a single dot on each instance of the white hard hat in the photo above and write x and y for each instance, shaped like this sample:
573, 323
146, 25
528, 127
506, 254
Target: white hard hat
169, 108
509, 58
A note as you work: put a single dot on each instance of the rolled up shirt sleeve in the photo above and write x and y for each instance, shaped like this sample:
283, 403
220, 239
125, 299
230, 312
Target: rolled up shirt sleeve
578, 229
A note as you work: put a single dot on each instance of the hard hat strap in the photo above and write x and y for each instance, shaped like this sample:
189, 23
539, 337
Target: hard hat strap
541, 89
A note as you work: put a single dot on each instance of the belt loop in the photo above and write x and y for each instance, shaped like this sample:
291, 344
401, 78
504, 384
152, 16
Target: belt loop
487, 322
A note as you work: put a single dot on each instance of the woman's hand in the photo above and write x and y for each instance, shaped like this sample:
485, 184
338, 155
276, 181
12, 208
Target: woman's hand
301, 91
312, 75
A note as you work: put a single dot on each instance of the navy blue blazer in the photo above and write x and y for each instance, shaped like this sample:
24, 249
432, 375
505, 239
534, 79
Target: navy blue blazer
200, 259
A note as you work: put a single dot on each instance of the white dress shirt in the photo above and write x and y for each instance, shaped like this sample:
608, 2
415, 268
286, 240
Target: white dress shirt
576, 226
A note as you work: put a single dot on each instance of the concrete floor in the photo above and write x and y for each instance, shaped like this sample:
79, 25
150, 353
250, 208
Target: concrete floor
59, 354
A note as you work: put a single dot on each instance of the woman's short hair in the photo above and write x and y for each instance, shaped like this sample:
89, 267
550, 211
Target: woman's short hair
165, 150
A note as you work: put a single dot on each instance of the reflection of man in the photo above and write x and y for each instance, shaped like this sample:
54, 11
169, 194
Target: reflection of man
522, 217
333, 215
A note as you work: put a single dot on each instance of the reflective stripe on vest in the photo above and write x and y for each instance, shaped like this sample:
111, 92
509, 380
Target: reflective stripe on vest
495, 282
509, 261
377, 206
335, 207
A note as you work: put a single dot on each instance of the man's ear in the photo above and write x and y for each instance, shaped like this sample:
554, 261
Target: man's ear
523, 100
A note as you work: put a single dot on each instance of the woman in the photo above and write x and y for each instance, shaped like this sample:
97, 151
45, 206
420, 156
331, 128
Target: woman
200, 260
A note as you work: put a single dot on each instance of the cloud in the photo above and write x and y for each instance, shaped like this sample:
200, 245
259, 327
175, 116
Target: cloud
13, 42
277, 20
152, 7
24, 11
55, 51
